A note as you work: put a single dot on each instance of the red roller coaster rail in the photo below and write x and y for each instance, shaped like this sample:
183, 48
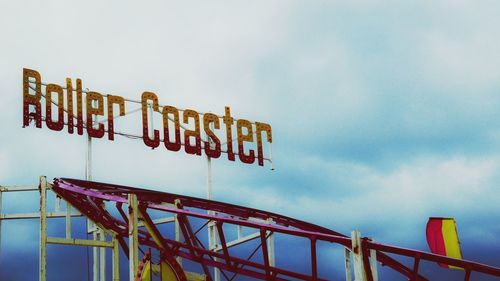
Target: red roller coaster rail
89, 198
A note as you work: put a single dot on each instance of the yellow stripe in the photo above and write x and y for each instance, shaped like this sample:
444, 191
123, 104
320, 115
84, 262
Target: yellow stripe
451, 242
146, 274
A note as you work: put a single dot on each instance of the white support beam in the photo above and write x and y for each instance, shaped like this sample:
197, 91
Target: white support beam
271, 254
239, 230
102, 257
36, 215
79, 242
68, 220
95, 258
164, 220
57, 204
159, 221
270, 246
236, 242
16, 188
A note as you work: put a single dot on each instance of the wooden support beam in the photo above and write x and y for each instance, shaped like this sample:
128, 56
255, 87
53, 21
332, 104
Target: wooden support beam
116, 259
357, 252
347, 263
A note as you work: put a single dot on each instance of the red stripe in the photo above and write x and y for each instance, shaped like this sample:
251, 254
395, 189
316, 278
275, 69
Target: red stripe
435, 237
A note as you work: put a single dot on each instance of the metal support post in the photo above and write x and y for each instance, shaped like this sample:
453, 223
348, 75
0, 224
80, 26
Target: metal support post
357, 252
102, 256
95, 255
212, 233
43, 229
98, 254
90, 224
133, 235
213, 236
215, 242
271, 156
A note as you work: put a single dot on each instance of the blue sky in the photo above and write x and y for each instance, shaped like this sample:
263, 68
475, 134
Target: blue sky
384, 112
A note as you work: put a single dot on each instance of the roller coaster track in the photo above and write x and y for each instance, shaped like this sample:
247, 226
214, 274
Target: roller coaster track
90, 198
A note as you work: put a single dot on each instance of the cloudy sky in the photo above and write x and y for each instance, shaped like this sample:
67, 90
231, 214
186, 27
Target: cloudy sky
384, 113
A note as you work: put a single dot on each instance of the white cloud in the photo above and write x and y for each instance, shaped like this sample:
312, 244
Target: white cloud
397, 203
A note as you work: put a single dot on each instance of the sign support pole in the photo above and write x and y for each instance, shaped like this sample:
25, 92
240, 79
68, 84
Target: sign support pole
212, 233
98, 255
43, 229
90, 226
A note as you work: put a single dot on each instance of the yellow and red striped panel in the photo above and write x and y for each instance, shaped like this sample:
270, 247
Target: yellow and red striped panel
442, 238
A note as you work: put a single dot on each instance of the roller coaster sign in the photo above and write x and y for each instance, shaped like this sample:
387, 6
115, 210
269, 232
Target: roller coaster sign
95, 106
